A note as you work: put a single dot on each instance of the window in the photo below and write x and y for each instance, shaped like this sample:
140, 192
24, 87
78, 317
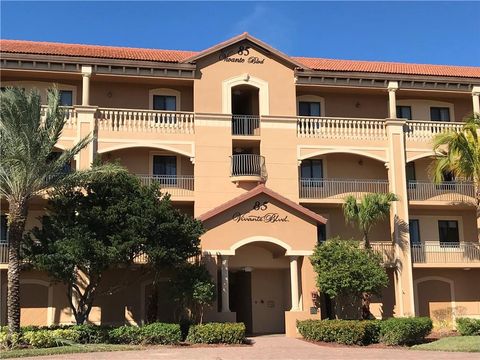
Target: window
414, 229
439, 114
164, 165
411, 177
448, 232
3, 229
404, 112
164, 102
309, 108
54, 156
312, 169
321, 233
66, 98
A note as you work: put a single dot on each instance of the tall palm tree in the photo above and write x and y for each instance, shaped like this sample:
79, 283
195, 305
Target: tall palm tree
27, 168
458, 152
371, 209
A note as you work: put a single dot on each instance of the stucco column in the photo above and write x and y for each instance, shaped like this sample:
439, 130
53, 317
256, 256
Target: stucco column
86, 127
476, 99
392, 99
399, 217
86, 74
294, 282
225, 289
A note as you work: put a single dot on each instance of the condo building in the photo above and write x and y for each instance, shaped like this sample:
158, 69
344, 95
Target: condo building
263, 148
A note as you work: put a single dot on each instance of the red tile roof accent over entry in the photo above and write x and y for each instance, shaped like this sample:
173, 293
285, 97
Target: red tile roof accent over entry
261, 189
178, 56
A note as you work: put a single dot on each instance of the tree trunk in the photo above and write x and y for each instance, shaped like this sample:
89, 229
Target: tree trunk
16, 221
366, 241
366, 314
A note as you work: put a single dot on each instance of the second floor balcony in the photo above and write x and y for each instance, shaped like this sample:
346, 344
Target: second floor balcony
447, 191
248, 167
180, 187
245, 125
435, 254
336, 190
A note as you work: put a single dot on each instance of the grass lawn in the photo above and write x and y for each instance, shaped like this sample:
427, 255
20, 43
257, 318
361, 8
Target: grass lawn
454, 343
66, 350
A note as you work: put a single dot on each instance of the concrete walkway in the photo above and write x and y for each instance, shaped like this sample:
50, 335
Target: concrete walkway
275, 347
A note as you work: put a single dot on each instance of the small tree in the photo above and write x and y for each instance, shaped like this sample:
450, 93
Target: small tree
86, 231
193, 290
347, 271
371, 209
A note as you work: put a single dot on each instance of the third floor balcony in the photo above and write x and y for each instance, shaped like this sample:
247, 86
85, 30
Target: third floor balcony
248, 167
448, 192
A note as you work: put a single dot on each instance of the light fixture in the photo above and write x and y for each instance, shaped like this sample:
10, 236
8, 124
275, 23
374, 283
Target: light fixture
248, 269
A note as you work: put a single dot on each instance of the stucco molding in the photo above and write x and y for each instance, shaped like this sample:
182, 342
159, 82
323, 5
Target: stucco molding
167, 145
319, 151
424, 154
450, 282
245, 79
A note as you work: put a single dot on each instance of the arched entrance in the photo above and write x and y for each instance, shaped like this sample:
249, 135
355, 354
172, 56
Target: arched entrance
259, 281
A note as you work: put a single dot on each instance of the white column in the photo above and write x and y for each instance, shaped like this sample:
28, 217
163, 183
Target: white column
225, 290
392, 100
86, 74
476, 99
294, 282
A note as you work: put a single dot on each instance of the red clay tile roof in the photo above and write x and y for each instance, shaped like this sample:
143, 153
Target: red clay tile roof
389, 67
94, 51
261, 189
176, 56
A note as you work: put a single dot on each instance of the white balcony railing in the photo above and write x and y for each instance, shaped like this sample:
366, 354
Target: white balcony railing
451, 191
446, 253
180, 186
386, 250
246, 125
250, 165
341, 128
311, 188
416, 130
172, 122
3, 253
70, 116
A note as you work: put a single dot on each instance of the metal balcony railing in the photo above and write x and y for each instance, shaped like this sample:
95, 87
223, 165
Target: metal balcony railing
446, 253
452, 191
248, 165
246, 125
3, 253
386, 250
175, 185
317, 188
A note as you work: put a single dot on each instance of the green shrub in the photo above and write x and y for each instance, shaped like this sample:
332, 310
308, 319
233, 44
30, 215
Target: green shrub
468, 327
405, 331
160, 333
50, 338
125, 335
347, 332
217, 333
92, 334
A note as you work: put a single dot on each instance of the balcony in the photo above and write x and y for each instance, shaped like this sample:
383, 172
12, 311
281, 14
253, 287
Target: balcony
424, 131
180, 187
336, 190
132, 120
341, 128
448, 191
245, 125
248, 167
386, 250
71, 116
435, 254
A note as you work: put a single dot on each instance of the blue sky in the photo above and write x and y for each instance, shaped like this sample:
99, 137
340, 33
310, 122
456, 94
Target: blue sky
421, 32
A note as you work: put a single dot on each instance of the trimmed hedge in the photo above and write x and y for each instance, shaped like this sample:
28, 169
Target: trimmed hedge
155, 333
405, 331
217, 333
347, 332
50, 338
468, 326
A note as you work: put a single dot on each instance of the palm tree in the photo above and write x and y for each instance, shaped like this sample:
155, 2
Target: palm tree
371, 209
27, 168
458, 152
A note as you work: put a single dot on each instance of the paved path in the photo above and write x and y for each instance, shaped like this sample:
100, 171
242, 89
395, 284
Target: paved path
270, 348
